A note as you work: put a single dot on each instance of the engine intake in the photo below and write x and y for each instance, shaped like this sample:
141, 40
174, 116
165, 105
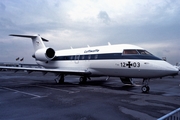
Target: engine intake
44, 54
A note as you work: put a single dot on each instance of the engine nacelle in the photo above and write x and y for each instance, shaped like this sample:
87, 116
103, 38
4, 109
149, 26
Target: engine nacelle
44, 54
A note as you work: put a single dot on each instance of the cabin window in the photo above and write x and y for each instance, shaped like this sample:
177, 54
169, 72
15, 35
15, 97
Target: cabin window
130, 52
76, 57
89, 57
72, 58
96, 57
65, 57
82, 57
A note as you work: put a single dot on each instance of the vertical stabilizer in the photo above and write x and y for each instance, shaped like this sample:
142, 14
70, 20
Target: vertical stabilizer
41, 52
37, 40
37, 43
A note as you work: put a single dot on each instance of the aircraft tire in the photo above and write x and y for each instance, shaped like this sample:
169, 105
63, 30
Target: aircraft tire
145, 89
82, 80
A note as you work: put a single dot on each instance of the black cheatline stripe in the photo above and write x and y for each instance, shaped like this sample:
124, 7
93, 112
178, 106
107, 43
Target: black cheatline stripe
105, 56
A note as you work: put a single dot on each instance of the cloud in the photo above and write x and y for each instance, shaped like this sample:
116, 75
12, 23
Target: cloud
2, 7
104, 16
152, 24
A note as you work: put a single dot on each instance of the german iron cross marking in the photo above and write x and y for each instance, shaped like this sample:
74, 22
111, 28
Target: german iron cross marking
129, 64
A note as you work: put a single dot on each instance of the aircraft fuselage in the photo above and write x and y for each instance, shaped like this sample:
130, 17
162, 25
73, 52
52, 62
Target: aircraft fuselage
122, 60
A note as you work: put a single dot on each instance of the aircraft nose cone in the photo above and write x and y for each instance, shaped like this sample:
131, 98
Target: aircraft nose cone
173, 71
166, 68
176, 72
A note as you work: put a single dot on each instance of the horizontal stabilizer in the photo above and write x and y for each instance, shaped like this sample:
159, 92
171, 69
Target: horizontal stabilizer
29, 36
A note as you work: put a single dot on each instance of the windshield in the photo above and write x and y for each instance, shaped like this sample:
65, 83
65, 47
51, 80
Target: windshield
137, 52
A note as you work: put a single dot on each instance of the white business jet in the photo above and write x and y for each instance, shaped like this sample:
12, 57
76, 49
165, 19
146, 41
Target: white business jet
124, 61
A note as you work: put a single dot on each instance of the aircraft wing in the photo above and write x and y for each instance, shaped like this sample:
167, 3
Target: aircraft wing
44, 70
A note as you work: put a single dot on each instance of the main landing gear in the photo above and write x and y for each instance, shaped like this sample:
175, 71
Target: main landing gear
82, 80
60, 79
145, 88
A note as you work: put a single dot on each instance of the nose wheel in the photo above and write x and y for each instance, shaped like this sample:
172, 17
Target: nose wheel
145, 88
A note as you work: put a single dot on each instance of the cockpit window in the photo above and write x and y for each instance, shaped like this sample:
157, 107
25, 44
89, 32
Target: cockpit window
144, 52
130, 52
136, 52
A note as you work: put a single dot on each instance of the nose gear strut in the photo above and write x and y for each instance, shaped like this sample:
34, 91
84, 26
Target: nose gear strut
145, 88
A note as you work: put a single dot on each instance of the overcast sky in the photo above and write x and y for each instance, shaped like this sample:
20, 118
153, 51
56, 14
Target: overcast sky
151, 24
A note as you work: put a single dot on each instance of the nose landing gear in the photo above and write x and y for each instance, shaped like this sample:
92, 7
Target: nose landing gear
145, 88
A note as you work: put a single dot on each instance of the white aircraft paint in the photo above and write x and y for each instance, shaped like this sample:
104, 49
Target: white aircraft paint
110, 60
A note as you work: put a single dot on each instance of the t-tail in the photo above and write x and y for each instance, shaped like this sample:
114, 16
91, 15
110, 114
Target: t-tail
41, 52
